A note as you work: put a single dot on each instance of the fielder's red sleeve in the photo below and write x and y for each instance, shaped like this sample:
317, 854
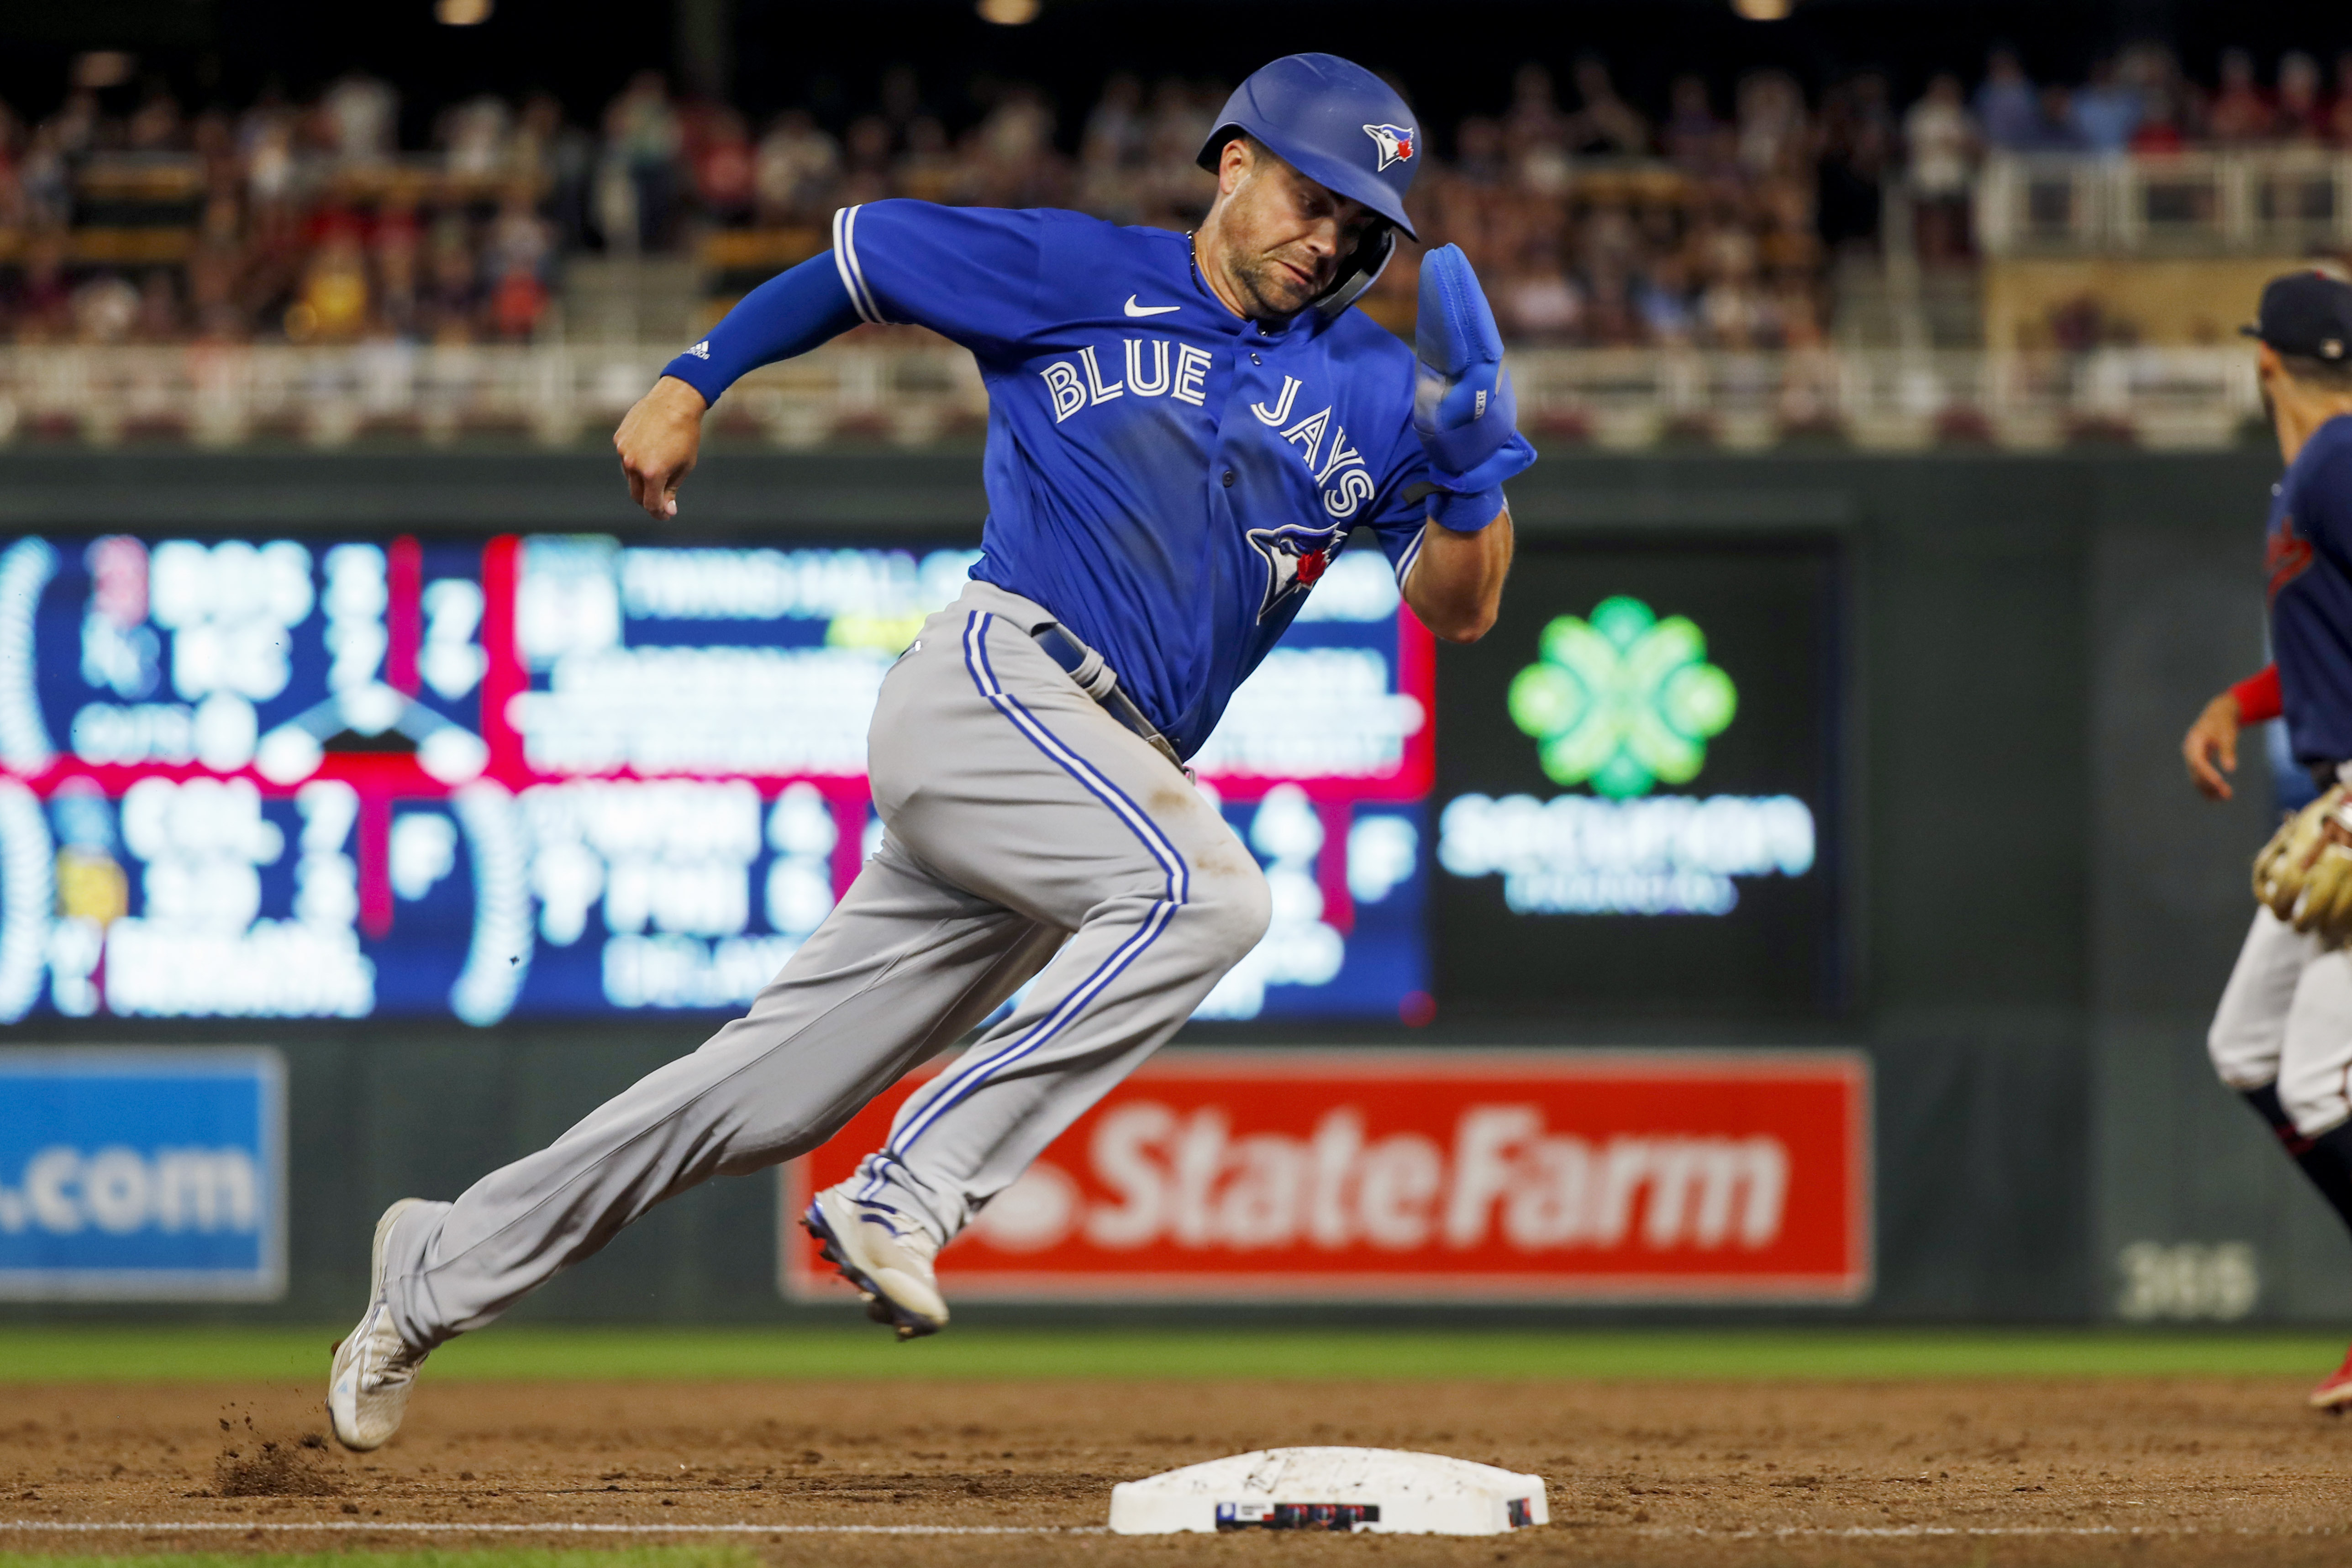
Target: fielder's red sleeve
2258, 696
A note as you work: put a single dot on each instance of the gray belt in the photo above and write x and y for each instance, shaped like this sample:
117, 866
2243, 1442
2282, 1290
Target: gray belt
1099, 681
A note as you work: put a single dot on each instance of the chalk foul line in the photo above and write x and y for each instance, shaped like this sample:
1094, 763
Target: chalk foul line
1913, 1532
564, 1527
555, 1526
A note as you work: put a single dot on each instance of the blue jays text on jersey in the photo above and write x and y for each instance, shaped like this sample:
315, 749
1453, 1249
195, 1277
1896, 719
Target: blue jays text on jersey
1167, 478
2308, 560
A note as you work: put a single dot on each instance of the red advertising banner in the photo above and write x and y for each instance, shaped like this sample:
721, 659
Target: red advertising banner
1660, 1176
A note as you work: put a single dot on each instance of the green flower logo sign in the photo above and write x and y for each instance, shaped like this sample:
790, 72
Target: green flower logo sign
1622, 701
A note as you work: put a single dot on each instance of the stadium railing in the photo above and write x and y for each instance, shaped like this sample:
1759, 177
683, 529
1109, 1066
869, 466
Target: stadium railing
913, 393
2279, 200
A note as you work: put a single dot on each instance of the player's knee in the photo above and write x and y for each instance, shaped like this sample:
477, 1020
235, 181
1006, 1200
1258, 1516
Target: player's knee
2240, 1059
1229, 914
2221, 1050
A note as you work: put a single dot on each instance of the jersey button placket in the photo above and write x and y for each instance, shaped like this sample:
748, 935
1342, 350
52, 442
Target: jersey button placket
1241, 427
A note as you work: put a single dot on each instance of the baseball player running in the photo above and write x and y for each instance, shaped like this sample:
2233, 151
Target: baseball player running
2283, 1035
1183, 431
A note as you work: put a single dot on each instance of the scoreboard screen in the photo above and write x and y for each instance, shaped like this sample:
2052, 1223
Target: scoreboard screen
567, 776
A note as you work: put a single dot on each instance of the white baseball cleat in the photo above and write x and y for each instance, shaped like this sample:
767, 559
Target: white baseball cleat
885, 1256
373, 1370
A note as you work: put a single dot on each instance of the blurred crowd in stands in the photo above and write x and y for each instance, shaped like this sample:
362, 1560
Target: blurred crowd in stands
1711, 218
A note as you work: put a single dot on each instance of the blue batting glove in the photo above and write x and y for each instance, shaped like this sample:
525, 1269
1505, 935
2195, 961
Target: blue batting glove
1463, 406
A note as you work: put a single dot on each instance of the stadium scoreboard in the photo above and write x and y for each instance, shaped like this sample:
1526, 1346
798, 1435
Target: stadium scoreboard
565, 776
570, 776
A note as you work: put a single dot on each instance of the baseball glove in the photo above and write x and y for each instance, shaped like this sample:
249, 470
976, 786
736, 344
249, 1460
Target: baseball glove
2304, 877
2326, 907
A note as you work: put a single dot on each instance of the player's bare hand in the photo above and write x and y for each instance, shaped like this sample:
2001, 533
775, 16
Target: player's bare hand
659, 441
2210, 747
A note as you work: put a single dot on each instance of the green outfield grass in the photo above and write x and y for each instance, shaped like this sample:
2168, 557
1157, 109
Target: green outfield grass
75, 1354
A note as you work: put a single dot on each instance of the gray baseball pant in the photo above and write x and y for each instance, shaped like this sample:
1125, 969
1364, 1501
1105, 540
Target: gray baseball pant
1028, 834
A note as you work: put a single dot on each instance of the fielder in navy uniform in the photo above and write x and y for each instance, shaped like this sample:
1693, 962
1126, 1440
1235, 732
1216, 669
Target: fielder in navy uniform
1183, 429
2283, 1035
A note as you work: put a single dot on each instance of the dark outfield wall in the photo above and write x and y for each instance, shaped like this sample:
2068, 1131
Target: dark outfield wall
2043, 911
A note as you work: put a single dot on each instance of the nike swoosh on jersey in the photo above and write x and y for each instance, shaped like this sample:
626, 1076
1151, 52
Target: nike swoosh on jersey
1135, 310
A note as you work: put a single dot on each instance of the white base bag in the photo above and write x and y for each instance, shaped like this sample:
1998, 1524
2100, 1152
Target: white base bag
1376, 1490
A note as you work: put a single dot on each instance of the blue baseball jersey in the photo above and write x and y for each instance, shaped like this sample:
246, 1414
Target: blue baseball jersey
2309, 555
1166, 478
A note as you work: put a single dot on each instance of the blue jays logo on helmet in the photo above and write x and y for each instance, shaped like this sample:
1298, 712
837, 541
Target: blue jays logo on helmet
1296, 559
1309, 109
1395, 143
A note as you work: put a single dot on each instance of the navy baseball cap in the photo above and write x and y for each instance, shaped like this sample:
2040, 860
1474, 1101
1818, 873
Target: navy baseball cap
2307, 313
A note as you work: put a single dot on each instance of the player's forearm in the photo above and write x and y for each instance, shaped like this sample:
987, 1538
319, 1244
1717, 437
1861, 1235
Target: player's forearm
1456, 583
789, 314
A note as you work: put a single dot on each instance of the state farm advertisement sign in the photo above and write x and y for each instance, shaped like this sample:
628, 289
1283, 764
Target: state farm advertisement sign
1560, 1175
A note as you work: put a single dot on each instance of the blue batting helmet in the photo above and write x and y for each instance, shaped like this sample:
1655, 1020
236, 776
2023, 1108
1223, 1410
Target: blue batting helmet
1333, 122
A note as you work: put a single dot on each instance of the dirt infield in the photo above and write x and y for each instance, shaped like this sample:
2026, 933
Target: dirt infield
2056, 1472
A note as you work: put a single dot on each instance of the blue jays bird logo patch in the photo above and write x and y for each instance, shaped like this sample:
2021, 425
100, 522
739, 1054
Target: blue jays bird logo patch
1395, 143
1295, 560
